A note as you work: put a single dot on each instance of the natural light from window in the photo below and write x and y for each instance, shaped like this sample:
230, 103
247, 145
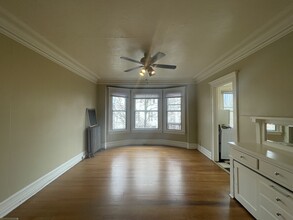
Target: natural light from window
174, 113
271, 127
146, 113
119, 113
228, 105
147, 110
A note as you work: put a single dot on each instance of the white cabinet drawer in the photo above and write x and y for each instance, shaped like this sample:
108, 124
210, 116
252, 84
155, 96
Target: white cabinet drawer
277, 174
244, 158
266, 215
268, 210
276, 194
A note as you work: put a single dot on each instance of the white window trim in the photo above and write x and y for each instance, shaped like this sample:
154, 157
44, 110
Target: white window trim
112, 91
180, 90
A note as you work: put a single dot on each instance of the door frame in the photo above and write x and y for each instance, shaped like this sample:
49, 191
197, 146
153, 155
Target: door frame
229, 78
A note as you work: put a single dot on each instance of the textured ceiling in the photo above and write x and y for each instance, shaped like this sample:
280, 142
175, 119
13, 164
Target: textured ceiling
196, 35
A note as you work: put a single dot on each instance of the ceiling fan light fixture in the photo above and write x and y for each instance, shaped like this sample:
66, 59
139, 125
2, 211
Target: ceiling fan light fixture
142, 72
151, 71
147, 63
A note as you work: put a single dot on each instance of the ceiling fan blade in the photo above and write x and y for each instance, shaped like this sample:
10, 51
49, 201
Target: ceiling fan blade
164, 66
156, 57
131, 60
137, 67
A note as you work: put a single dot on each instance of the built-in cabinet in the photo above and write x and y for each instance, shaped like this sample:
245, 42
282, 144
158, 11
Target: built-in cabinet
275, 202
246, 187
262, 180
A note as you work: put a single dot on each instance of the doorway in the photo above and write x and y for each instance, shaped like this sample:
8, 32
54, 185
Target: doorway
224, 116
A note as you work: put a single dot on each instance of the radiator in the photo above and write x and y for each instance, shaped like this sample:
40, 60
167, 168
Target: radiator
94, 140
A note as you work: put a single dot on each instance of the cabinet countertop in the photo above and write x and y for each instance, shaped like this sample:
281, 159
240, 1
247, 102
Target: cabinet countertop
278, 157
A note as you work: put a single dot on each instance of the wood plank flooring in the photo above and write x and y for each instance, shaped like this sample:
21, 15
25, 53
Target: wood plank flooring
137, 183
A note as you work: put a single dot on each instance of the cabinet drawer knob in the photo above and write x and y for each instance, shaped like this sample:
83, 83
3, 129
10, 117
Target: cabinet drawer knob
276, 173
284, 194
278, 199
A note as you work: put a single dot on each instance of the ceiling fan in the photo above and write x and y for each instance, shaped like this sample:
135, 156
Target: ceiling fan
148, 64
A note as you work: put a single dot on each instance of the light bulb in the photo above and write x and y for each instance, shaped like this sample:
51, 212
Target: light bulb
151, 71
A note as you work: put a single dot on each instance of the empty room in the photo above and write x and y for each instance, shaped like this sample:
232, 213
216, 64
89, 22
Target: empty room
159, 109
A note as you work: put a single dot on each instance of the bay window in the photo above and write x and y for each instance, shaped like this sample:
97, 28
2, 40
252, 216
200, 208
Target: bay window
157, 110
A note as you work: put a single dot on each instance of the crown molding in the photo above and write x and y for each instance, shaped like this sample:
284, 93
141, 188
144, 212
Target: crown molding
146, 82
278, 27
17, 30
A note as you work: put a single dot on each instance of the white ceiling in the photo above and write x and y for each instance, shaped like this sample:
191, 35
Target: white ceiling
201, 37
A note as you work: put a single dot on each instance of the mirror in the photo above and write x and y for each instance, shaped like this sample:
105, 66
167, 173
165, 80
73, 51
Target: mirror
281, 134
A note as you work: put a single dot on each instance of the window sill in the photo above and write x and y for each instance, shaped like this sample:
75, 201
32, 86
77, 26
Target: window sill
174, 132
118, 131
146, 131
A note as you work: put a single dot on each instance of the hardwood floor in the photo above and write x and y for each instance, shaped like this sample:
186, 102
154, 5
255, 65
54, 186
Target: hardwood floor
137, 183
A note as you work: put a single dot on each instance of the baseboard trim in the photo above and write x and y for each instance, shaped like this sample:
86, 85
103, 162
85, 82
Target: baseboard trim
192, 146
163, 142
27, 192
204, 151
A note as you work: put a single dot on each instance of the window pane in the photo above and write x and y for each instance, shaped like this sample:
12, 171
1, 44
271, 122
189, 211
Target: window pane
228, 101
174, 117
174, 113
174, 104
119, 120
118, 113
146, 113
139, 104
118, 103
152, 104
139, 119
174, 126
174, 107
173, 101
271, 127
151, 120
